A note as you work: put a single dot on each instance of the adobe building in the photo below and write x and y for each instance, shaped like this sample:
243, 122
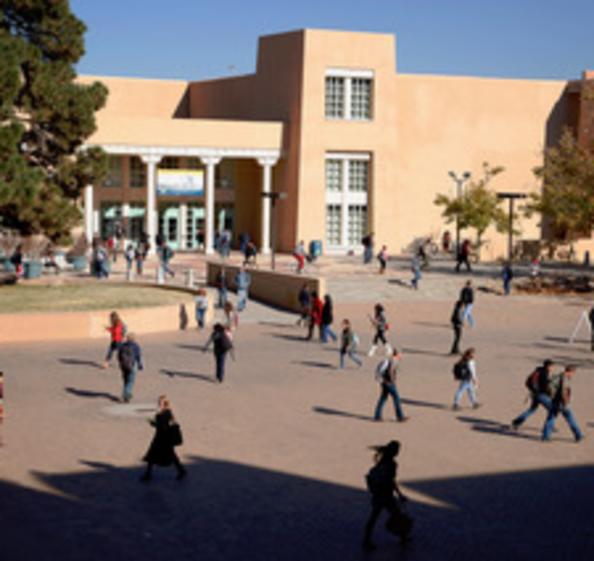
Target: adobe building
327, 120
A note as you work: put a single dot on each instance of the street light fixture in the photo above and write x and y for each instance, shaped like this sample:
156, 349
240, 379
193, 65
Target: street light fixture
273, 196
511, 197
459, 181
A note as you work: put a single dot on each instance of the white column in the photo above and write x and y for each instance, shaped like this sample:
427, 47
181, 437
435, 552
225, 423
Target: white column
266, 164
125, 223
182, 224
151, 162
88, 213
96, 222
209, 199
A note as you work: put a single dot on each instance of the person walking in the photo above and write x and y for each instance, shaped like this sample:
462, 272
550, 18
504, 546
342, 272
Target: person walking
165, 256
507, 276
561, 394
327, 320
591, 319
117, 332
386, 495
463, 256
250, 253
161, 451
348, 344
130, 255
221, 284
315, 315
415, 267
299, 255
231, 316
242, 281
201, 306
386, 373
382, 257
222, 344
130, 360
538, 385
304, 303
140, 256
381, 325
16, 260
457, 322
367, 242
467, 298
465, 374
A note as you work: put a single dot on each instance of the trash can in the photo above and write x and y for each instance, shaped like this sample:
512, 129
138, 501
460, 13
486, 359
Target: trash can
315, 248
33, 269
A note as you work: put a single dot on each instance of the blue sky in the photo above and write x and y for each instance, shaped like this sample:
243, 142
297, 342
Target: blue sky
196, 39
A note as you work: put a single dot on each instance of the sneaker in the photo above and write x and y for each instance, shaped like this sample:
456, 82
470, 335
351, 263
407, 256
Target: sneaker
403, 419
455, 407
515, 426
476, 405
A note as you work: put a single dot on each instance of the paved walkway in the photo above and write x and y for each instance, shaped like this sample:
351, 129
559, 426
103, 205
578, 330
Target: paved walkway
277, 454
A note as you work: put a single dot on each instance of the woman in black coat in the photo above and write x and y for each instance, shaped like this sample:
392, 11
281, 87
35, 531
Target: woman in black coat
161, 452
327, 320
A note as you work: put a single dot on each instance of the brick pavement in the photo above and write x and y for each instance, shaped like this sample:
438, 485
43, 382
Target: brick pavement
277, 454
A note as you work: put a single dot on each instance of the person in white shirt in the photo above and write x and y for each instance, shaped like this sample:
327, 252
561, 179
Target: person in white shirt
465, 373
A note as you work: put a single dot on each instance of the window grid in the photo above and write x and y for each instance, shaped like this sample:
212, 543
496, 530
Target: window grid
333, 225
357, 225
137, 172
358, 176
114, 173
360, 98
333, 175
335, 97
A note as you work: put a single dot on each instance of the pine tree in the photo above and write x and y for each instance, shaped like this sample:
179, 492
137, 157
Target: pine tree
45, 117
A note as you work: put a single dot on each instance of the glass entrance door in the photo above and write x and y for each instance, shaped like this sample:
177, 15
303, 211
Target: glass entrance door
195, 227
169, 226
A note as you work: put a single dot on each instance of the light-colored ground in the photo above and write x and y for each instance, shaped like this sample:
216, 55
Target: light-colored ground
277, 454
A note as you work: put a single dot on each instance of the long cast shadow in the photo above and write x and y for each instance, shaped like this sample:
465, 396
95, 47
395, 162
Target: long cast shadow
190, 347
80, 362
287, 337
180, 374
433, 324
410, 351
419, 403
92, 394
315, 364
339, 413
222, 506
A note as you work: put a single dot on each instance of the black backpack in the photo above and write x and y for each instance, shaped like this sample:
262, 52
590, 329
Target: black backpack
126, 357
461, 371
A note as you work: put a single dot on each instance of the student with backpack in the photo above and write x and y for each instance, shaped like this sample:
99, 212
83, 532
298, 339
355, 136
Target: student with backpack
222, 345
386, 373
382, 257
130, 360
467, 298
465, 374
348, 344
561, 394
303, 298
538, 385
201, 306
165, 256
381, 325
117, 332
386, 495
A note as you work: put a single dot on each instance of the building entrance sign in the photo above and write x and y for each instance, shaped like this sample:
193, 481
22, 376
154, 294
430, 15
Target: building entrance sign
180, 182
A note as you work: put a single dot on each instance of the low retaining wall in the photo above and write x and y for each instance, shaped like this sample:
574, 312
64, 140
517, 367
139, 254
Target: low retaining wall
270, 287
62, 326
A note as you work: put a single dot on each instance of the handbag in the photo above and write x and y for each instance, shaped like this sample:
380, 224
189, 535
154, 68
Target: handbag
399, 524
175, 435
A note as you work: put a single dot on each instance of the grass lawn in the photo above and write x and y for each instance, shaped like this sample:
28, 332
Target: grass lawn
81, 297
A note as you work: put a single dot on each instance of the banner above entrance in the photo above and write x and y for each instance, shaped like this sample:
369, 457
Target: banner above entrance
180, 182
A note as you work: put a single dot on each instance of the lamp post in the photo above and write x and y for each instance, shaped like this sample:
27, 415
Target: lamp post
459, 181
511, 197
273, 196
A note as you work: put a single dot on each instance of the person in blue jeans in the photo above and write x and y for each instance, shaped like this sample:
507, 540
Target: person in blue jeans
386, 373
465, 373
242, 281
222, 344
130, 359
348, 344
467, 298
507, 275
538, 384
561, 392
327, 319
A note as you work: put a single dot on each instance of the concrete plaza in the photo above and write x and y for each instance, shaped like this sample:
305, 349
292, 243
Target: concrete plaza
278, 453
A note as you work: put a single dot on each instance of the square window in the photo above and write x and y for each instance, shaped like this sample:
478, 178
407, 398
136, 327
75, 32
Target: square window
358, 176
361, 98
335, 87
333, 225
137, 172
114, 172
334, 175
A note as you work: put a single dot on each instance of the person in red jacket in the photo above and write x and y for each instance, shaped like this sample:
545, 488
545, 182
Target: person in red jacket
315, 315
117, 332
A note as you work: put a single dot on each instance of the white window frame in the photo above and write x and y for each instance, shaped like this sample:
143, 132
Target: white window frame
348, 74
344, 197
